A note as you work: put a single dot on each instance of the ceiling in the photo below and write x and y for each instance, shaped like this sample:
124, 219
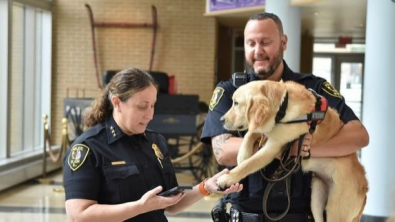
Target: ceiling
326, 20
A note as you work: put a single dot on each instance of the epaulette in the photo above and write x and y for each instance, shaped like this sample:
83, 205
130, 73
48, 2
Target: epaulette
90, 133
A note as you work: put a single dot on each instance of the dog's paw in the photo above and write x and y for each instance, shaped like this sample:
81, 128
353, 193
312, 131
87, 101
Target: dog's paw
226, 180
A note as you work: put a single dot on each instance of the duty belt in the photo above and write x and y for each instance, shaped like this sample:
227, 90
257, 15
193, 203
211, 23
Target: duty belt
238, 216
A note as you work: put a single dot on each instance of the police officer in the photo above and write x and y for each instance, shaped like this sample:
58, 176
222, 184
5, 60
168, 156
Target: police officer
264, 44
114, 171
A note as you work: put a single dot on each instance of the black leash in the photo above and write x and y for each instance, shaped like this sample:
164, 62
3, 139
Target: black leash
285, 161
278, 176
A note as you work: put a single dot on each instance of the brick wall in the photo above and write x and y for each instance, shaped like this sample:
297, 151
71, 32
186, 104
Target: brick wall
185, 46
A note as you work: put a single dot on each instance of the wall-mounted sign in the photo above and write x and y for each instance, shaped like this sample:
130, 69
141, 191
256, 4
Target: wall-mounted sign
218, 5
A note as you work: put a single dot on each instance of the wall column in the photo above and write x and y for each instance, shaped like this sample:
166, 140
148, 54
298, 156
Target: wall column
378, 110
291, 19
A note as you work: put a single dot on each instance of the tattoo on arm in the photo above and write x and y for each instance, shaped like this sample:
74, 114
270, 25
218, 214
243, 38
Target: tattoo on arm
218, 141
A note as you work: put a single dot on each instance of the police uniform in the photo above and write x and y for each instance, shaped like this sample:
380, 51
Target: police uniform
250, 198
108, 166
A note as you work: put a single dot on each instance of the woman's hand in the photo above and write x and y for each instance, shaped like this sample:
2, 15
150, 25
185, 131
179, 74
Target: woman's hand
211, 184
151, 201
305, 151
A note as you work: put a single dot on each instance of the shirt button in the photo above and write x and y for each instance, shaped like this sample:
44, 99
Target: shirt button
123, 173
145, 166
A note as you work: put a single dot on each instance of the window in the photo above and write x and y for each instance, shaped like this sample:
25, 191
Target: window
16, 79
25, 69
4, 59
238, 59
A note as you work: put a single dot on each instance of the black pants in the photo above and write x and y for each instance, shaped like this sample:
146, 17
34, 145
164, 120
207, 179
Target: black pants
237, 216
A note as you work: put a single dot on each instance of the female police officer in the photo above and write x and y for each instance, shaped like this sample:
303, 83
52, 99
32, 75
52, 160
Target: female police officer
114, 171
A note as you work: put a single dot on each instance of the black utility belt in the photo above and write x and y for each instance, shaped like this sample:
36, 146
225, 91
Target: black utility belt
238, 216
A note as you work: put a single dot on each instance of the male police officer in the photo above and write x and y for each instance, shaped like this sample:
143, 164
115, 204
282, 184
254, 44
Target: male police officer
264, 44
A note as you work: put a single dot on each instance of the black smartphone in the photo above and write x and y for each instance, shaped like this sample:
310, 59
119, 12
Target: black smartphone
174, 191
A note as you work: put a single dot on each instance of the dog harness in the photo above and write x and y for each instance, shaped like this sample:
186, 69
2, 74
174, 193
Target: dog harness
288, 165
313, 119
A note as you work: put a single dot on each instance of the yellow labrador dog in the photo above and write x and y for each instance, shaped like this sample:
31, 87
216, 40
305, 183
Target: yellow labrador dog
339, 185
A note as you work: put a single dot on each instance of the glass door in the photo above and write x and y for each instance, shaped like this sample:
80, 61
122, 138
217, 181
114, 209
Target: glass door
351, 82
345, 73
323, 67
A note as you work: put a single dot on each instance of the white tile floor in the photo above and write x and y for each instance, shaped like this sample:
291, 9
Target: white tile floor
35, 202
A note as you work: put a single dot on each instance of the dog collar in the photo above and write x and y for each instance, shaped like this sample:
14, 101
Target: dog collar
282, 111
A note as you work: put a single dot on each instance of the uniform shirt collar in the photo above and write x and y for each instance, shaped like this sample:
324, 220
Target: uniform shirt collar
289, 75
115, 133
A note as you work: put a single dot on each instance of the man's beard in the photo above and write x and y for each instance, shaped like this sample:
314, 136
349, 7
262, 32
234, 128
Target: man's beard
272, 67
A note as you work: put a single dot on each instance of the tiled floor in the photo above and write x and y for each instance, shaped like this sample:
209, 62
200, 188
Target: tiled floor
35, 202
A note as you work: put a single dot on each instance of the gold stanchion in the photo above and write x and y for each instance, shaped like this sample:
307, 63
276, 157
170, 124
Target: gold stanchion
44, 179
58, 189
65, 145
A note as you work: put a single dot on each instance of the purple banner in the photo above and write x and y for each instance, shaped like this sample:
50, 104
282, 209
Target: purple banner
218, 5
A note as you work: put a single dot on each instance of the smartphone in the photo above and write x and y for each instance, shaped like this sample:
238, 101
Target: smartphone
174, 191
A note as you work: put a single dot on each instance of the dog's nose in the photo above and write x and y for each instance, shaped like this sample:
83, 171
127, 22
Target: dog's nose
222, 120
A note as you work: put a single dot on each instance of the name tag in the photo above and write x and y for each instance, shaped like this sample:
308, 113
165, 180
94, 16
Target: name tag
118, 162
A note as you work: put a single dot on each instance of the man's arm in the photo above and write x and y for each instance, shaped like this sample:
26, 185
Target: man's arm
351, 137
225, 148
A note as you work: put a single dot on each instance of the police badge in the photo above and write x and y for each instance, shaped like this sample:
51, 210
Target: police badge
158, 154
217, 94
77, 156
328, 88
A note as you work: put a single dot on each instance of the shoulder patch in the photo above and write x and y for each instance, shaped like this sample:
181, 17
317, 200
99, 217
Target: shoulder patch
77, 156
217, 94
328, 88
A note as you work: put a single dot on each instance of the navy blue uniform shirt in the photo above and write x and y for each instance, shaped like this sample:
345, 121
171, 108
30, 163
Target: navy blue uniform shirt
108, 166
250, 198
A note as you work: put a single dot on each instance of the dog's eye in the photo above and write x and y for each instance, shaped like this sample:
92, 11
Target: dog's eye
235, 103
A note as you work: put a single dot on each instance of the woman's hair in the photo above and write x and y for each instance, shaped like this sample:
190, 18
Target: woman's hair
124, 84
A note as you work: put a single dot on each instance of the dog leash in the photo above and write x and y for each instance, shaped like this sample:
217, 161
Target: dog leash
285, 161
276, 177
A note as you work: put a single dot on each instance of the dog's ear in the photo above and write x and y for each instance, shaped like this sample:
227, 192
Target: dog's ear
257, 111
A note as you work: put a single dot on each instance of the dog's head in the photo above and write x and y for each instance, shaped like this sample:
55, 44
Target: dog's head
254, 105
